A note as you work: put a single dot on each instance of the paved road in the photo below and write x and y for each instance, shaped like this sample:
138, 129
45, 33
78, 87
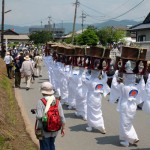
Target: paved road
76, 136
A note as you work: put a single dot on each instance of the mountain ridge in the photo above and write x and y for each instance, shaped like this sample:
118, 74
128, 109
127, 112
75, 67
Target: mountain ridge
68, 26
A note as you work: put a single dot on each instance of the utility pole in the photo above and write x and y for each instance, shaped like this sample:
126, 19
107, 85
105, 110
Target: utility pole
74, 22
41, 24
83, 17
49, 23
2, 31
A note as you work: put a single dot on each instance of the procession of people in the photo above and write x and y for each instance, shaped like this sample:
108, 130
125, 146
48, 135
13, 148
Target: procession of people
79, 78
84, 81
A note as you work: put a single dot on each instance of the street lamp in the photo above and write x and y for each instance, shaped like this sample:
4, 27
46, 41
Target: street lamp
2, 29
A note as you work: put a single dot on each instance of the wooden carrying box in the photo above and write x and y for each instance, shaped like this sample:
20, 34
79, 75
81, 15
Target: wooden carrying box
133, 53
79, 51
98, 52
60, 49
69, 51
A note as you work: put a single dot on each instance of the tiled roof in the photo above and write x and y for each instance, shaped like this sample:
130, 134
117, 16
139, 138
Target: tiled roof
16, 37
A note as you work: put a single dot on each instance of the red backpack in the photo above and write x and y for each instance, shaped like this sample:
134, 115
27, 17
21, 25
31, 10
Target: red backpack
53, 122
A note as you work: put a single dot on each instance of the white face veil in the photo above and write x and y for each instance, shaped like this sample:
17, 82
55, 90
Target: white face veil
128, 67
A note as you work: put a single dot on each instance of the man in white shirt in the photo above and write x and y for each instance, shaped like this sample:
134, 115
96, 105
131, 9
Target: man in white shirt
8, 60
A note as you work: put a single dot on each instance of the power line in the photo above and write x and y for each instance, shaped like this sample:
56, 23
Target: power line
116, 16
129, 10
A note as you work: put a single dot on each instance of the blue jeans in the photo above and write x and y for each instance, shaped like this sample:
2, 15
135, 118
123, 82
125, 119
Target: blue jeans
47, 143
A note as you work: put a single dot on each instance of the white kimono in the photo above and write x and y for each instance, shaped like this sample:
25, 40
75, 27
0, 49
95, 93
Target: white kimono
72, 87
81, 94
56, 76
96, 88
146, 105
64, 81
130, 97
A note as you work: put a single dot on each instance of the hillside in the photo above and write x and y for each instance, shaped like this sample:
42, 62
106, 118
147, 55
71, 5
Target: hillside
13, 135
68, 26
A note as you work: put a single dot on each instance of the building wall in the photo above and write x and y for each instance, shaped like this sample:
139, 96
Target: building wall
144, 32
145, 45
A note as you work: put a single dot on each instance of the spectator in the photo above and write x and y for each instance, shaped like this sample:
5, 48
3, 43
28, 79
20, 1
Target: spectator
38, 64
17, 72
48, 138
8, 60
27, 70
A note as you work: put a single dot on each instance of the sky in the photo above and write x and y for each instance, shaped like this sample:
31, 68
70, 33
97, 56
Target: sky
36, 12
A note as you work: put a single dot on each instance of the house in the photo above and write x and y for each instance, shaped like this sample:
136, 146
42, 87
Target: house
12, 36
142, 32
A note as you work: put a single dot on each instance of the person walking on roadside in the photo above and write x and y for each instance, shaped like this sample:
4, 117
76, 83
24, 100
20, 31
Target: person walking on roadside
47, 138
8, 60
38, 65
27, 70
17, 65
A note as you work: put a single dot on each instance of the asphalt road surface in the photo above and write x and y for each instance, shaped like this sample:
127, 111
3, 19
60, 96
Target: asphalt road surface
77, 138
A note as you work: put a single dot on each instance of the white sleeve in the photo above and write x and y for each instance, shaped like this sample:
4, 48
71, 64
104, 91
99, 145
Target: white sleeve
115, 90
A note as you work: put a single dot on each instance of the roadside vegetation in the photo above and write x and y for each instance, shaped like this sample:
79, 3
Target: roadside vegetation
13, 135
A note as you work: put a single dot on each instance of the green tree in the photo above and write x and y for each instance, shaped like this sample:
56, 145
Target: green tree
110, 35
88, 37
40, 37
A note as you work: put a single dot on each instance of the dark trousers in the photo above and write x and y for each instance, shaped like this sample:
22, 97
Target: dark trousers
47, 143
17, 79
9, 70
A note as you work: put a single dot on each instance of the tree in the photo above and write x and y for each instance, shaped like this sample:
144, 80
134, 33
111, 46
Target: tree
110, 35
40, 37
88, 37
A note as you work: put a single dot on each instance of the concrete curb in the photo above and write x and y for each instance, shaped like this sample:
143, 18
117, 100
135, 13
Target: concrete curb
28, 126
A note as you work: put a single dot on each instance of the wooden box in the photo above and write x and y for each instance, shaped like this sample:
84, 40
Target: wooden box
133, 53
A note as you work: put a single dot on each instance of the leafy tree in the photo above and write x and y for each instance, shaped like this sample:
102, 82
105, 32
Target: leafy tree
88, 37
110, 35
40, 37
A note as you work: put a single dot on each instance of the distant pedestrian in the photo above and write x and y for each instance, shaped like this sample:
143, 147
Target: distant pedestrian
17, 65
27, 70
47, 139
9, 61
38, 64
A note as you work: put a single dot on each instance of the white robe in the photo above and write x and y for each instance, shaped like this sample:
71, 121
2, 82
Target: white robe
130, 97
81, 94
72, 87
96, 88
146, 105
64, 81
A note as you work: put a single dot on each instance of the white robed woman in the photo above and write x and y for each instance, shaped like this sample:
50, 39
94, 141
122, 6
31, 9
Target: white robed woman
81, 93
65, 75
97, 88
146, 105
130, 95
72, 87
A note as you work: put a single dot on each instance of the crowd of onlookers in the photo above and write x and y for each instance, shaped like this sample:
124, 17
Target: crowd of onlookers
25, 63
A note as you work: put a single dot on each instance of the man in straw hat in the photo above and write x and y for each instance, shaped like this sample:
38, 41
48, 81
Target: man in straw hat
8, 60
47, 139
27, 70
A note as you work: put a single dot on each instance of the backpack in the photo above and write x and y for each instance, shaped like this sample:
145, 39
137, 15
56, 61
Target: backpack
53, 121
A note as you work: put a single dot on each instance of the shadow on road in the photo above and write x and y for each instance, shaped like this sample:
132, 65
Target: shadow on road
77, 128
113, 140
141, 149
72, 116
44, 79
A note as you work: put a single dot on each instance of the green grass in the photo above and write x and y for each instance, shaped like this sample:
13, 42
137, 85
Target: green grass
2, 141
7, 86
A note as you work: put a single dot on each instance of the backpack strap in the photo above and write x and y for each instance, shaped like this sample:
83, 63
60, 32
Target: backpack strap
44, 101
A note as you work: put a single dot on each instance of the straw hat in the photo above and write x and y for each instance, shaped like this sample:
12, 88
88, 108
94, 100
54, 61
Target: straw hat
7, 53
47, 88
27, 57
